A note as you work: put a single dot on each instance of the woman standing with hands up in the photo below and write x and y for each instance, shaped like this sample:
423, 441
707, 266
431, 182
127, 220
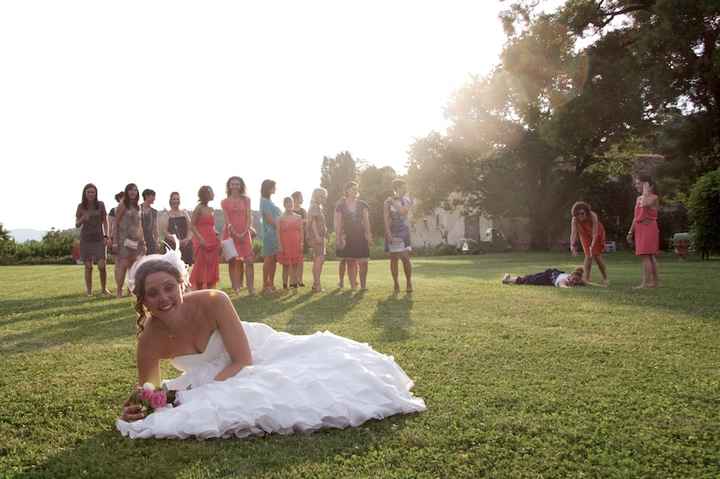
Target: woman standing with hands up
644, 230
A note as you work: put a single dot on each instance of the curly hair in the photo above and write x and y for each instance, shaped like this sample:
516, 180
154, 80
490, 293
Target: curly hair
580, 206
145, 269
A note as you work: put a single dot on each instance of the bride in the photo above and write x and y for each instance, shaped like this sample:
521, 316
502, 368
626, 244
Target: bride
242, 379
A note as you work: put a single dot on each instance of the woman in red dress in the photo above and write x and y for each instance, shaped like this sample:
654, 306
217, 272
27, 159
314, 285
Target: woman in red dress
238, 223
644, 230
586, 225
206, 245
290, 232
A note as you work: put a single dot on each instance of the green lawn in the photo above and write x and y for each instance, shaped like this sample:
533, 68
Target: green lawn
519, 381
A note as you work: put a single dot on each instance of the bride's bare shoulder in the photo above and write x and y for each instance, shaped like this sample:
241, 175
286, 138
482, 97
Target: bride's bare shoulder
206, 297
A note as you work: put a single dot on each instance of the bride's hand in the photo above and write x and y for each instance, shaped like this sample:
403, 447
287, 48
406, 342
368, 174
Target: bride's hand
132, 412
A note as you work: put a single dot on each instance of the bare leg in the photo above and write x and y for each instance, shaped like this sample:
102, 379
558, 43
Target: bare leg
88, 277
603, 269
301, 271
653, 283
267, 265
232, 271
407, 269
120, 269
394, 271
587, 264
341, 272
102, 269
317, 271
285, 276
250, 276
240, 274
644, 269
363, 265
352, 268
273, 268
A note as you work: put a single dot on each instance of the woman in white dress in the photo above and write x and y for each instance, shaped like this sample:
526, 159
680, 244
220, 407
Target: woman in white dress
242, 379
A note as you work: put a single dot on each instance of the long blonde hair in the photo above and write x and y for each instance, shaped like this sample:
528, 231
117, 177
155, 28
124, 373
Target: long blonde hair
315, 198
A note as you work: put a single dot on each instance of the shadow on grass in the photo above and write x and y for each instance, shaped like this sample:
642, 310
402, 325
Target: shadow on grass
17, 310
393, 315
108, 454
329, 308
92, 323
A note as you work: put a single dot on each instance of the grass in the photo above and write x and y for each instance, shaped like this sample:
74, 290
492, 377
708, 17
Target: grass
519, 381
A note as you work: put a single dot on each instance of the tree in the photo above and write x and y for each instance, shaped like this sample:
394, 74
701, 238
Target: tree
334, 174
4, 234
704, 206
524, 138
375, 187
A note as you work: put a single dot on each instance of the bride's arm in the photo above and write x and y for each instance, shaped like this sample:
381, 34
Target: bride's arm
233, 335
148, 365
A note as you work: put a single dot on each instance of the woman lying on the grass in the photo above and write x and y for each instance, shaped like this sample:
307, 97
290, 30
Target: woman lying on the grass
243, 379
551, 277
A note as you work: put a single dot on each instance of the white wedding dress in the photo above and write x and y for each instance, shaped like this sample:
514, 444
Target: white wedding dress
296, 384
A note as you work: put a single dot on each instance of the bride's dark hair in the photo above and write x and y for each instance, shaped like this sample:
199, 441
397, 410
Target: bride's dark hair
146, 268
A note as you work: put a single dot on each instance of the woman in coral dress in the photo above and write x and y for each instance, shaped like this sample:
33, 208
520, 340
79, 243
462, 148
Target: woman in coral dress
290, 231
238, 223
644, 230
206, 245
586, 226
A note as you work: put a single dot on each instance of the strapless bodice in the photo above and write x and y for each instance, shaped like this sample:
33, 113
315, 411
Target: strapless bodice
214, 351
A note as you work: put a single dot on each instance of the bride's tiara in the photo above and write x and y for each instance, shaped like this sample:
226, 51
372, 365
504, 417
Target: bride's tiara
172, 256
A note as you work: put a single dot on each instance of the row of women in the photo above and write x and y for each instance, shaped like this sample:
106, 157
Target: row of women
131, 230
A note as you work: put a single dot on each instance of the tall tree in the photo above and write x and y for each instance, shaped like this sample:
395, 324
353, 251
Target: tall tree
335, 172
375, 187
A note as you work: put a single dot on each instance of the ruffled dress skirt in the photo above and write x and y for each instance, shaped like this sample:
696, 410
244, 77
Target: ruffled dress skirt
296, 384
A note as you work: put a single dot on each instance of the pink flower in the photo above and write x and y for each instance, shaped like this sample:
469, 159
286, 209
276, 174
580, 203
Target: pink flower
146, 395
158, 400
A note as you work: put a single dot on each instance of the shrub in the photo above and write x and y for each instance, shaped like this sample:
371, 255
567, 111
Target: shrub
704, 209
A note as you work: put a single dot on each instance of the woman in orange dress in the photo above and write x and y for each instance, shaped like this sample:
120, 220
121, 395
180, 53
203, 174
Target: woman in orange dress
644, 230
206, 245
290, 232
586, 225
238, 222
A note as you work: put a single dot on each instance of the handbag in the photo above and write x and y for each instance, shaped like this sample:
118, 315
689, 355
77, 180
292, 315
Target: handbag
228, 249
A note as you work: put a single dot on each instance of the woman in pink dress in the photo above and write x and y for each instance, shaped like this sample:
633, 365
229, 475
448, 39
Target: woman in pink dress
206, 245
644, 230
238, 222
290, 231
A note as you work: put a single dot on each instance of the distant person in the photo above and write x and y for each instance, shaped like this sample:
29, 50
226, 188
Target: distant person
149, 217
300, 211
644, 230
91, 218
352, 223
342, 263
179, 226
206, 245
112, 215
291, 234
128, 236
317, 234
396, 209
551, 277
270, 241
238, 226
586, 225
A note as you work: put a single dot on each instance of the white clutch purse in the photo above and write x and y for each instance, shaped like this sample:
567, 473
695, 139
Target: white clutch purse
228, 249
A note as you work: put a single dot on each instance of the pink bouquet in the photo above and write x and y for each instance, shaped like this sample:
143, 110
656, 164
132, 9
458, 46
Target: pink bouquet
152, 398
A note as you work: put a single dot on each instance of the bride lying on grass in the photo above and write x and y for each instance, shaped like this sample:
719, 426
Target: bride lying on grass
242, 379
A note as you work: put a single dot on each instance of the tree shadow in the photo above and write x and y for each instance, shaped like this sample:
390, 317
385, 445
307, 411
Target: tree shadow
394, 316
18, 310
328, 308
88, 324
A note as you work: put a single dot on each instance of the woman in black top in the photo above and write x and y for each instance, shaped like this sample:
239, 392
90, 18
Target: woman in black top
353, 238
179, 225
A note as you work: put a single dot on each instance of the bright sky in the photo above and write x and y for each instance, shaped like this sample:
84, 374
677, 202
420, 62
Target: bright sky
174, 95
